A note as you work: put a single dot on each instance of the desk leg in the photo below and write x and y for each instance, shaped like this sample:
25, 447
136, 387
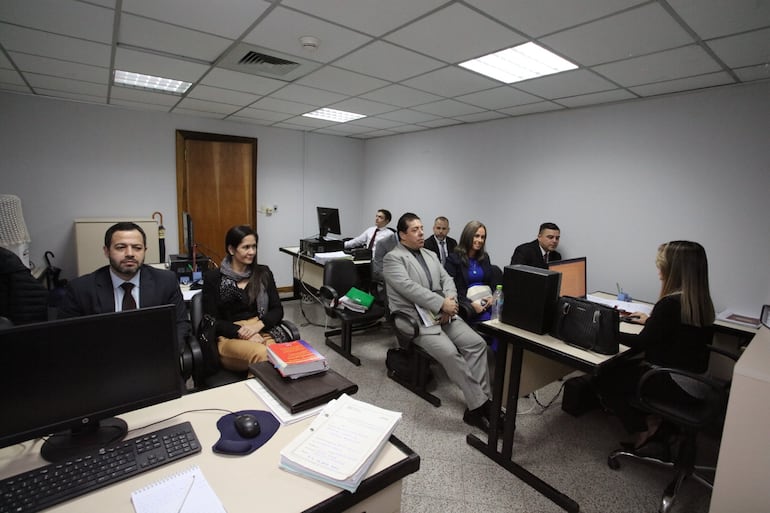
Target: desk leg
504, 457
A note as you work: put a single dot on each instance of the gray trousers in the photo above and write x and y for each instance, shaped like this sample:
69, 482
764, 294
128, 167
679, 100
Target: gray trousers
463, 355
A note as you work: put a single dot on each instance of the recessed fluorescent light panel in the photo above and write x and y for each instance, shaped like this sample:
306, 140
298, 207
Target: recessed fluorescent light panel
140, 81
338, 116
519, 63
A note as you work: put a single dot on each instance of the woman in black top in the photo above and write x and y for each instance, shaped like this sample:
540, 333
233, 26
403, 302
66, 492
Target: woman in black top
675, 334
241, 295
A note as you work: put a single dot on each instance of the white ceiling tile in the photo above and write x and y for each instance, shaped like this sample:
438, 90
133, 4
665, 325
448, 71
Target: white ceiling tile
568, 83
310, 122
141, 105
361, 106
340, 80
744, 49
408, 128
436, 123
448, 108
407, 116
376, 133
309, 95
347, 128
57, 68
50, 45
286, 106
227, 79
451, 81
499, 98
400, 95
668, 65
481, 116
206, 106
639, 31
540, 17
4, 62
79, 96
370, 16
66, 17
199, 113
714, 18
145, 33
455, 34
228, 20
136, 96
66, 85
532, 108
753, 72
266, 115
282, 28
9, 76
216, 94
596, 98
150, 64
292, 126
375, 122
15, 88
387, 61
683, 84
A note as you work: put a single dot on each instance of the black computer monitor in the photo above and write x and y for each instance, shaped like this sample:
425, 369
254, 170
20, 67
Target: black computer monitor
573, 276
328, 221
66, 379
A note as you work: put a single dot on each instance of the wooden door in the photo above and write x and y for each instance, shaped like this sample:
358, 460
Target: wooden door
217, 185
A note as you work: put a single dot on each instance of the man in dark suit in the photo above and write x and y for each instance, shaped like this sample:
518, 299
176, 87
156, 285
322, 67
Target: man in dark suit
439, 242
126, 283
541, 250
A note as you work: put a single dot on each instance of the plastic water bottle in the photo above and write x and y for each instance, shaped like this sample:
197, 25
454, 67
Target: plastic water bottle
497, 305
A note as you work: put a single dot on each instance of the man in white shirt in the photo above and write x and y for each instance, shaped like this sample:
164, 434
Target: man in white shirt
373, 234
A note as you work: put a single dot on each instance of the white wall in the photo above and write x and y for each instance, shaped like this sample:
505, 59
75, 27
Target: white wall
67, 160
618, 179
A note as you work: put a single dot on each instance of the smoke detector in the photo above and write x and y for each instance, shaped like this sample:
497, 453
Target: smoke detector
309, 43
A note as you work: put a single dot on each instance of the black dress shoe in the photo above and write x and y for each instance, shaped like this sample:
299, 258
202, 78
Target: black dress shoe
477, 418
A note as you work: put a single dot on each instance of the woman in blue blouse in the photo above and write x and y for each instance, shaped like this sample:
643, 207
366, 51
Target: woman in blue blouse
471, 268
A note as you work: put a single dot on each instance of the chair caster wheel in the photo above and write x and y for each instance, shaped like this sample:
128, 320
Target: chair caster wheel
613, 463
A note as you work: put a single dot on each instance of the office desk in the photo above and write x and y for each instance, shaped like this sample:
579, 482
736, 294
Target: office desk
308, 275
519, 342
244, 484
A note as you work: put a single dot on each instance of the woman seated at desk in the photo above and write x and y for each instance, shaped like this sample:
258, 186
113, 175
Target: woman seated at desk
241, 295
675, 334
475, 277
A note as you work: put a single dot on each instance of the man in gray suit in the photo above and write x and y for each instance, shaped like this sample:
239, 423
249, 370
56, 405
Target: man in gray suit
414, 276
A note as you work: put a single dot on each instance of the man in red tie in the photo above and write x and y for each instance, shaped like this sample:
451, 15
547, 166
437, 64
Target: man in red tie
373, 234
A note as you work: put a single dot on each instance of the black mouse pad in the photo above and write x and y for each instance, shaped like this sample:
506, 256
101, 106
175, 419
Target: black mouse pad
230, 442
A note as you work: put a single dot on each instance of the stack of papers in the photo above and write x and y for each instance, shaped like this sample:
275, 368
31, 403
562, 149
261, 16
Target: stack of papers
322, 258
623, 306
341, 444
296, 359
739, 319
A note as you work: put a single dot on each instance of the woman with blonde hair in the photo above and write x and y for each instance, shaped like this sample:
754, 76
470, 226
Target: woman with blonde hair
675, 334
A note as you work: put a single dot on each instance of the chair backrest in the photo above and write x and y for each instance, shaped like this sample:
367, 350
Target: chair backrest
340, 275
196, 311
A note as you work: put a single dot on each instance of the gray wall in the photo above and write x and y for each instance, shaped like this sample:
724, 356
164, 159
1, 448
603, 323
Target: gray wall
618, 179
69, 160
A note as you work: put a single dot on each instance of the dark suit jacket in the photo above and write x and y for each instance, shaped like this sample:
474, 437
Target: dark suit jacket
92, 294
530, 254
432, 244
23, 299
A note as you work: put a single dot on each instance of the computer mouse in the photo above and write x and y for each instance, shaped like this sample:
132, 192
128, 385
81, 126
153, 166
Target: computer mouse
247, 425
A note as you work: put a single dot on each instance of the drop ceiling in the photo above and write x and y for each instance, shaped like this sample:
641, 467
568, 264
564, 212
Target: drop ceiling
396, 61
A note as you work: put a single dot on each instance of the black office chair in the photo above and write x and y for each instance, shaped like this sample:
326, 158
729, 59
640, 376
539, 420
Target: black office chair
413, 372
339, 277
193, 356
705, 414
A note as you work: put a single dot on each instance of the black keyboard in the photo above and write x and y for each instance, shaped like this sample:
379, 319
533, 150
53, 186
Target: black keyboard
45, 486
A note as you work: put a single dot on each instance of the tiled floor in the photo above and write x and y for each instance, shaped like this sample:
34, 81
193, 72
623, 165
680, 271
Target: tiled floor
567, 452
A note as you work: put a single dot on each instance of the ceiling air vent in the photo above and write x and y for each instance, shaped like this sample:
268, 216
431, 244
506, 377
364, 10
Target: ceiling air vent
254, 60
268, 63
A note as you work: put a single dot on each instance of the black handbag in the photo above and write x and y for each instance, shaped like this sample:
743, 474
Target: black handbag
587, 325
207, 339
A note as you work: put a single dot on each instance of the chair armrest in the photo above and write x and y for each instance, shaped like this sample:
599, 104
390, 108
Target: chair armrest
728, 354
191, 359
5, 323
465, 311
290, 328
405, 326
328, 292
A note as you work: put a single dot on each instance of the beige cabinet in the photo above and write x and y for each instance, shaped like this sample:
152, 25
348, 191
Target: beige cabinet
89, 241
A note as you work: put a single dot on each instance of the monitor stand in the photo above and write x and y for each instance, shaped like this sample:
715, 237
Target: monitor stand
68, 444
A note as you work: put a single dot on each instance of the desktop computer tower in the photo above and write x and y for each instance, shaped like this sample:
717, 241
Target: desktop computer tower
312, 246
531, 294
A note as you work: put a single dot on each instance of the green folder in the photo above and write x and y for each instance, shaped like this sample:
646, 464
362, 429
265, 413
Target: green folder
360, 297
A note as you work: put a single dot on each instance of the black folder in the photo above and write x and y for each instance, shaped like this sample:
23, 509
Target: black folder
306, 392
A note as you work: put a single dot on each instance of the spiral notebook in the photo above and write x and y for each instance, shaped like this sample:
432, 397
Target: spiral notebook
184, 492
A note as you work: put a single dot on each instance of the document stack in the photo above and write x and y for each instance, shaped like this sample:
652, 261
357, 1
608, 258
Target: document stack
296, 359
356, 300
341, 444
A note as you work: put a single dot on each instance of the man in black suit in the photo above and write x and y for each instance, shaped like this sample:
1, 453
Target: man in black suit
541, 250
439, 242
126, 283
